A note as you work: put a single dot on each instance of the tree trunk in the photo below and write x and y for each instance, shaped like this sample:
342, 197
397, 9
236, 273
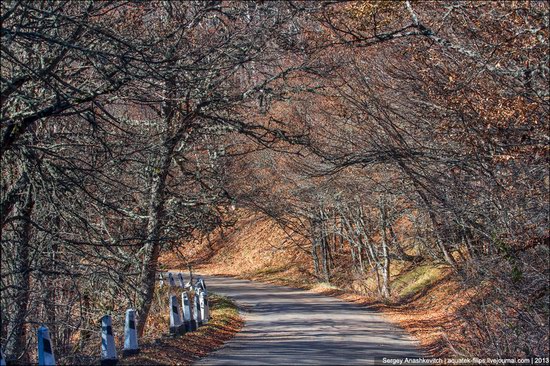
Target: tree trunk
385, 271
314, 256
326, 259
323, 239
17, 329
155, 212
352, 251
314, 239
385, 252
376, 263
157, 198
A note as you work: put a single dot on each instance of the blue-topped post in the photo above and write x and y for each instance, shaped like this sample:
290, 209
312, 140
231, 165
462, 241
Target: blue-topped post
130, 334
108, 348
45, 349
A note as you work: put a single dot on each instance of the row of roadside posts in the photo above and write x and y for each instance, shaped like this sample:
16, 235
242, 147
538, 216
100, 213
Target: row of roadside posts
188, 317
181, 322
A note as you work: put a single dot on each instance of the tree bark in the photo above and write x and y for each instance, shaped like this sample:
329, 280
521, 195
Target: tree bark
17, 329
385, 252
323, 235
314, 239
155, 209
155, 212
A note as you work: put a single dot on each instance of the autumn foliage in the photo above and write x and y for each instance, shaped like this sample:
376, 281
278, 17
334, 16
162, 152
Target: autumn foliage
376, 134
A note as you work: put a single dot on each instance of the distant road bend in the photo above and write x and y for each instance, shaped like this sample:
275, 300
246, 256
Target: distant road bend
285, 326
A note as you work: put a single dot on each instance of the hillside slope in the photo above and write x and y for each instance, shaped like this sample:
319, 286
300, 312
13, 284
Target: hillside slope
255, 247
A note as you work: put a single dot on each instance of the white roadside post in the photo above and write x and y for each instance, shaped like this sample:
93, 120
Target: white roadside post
202, 284
186, 312
171, 279
181, 280
130, 334
45, 349
205, 312
161, 280
108, 348
197, 309
175, 316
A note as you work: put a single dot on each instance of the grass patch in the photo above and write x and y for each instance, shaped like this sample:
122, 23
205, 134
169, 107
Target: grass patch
285, 275
269, 271
225, 321
324, 286
416, 280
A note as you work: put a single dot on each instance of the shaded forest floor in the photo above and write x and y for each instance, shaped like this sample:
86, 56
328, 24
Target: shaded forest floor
426, 300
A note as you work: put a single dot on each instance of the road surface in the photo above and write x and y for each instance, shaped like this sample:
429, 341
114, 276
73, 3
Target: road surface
285, 326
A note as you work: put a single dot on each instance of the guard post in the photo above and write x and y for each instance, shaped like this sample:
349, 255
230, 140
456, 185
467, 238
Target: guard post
130, 334
45, 349
108, 348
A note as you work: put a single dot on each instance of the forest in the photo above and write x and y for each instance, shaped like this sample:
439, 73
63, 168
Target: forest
377, 131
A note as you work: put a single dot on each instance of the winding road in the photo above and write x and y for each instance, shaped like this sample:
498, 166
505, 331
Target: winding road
286, 326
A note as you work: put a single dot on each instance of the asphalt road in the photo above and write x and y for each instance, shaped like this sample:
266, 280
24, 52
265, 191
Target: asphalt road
285, 326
